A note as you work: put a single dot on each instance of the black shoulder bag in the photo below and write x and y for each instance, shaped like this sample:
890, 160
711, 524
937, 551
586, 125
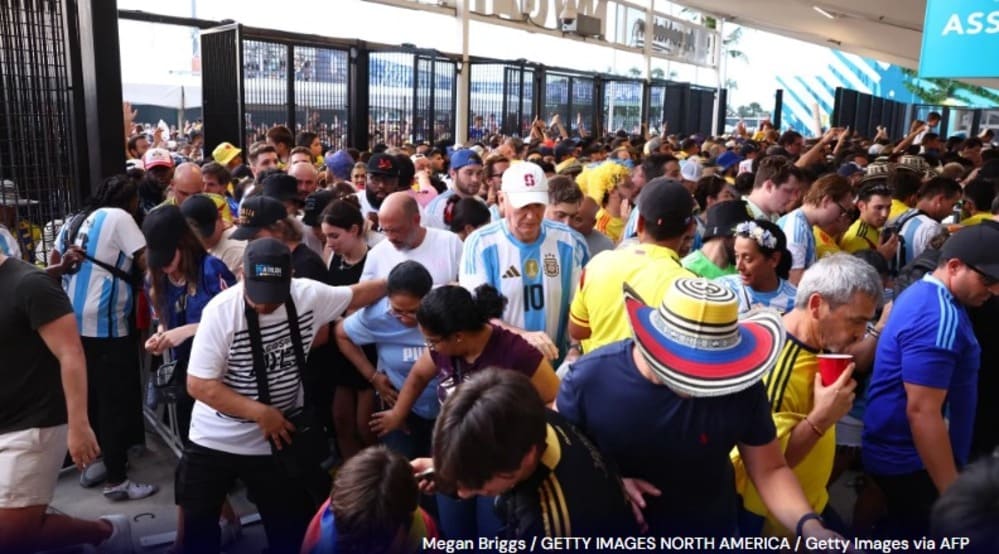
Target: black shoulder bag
302, 459
133, 279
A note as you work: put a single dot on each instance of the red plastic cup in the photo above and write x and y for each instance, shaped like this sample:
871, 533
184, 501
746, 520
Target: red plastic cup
831, 366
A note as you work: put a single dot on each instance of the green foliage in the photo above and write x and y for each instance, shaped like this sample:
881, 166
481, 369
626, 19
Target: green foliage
940, 91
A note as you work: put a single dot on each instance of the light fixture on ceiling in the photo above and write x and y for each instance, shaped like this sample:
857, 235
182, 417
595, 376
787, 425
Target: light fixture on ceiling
823, 12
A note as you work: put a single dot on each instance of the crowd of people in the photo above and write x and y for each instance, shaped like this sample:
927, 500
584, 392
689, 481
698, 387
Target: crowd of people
568, 336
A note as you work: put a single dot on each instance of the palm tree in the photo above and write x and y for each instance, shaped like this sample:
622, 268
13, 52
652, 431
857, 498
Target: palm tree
657, 73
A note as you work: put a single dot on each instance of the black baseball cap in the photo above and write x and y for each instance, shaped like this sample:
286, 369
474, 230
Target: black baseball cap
267, 271
722, 218
201, 212
282, 186
383, 164
970, 245
666, 202
258, 212
163, 228
315, 203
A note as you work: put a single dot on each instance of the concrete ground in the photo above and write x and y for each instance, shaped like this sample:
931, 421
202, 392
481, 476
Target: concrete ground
153, 519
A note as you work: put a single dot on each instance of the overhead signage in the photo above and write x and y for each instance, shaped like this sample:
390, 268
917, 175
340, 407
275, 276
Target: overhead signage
960, 39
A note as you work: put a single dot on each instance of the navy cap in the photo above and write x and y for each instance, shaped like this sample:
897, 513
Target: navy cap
201, 211
267, 271
281, 186
163, 228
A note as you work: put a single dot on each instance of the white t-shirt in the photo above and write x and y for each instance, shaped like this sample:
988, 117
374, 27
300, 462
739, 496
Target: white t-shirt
230, 251
440, 253
221, 351
103, 302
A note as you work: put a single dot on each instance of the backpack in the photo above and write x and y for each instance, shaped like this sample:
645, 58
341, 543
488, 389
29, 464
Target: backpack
899, 261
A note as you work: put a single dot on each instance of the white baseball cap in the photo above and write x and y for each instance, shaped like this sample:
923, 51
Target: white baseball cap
691, 170
525, 183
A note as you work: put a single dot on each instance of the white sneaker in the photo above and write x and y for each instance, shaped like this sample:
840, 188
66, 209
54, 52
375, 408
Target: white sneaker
129, 490
120, 541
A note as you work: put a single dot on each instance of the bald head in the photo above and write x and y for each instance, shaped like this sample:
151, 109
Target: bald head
399, 218
187, 181
307, 178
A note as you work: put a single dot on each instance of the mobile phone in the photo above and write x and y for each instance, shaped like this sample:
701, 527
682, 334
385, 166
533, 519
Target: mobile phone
887, 233
425, 475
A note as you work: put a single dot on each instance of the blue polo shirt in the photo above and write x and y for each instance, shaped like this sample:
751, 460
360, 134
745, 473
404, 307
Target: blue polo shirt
928, 341
398, 349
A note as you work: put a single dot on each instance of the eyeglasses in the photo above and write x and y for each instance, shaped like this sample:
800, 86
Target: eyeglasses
433, 343
987, 280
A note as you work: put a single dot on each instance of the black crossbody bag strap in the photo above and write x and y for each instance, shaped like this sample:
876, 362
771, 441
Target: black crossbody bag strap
257, 347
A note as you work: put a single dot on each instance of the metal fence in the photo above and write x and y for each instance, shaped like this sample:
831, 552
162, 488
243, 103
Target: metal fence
37, 167
411, 98
623, 102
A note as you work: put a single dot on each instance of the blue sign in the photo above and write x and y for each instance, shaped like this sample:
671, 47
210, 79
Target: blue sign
960, 39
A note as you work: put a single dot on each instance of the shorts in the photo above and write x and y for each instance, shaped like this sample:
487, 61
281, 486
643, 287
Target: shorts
29, 465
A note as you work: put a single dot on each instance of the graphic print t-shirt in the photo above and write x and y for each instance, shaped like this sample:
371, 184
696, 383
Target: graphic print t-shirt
221, 351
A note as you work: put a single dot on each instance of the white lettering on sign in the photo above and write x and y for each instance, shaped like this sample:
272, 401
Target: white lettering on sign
975, 23
541, 12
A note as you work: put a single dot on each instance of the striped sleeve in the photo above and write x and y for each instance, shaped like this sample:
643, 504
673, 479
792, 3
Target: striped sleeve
928, 351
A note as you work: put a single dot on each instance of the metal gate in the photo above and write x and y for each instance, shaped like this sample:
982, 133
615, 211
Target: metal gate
501, 100
573, 98
623, 106
37, 166
263, 78
411, 98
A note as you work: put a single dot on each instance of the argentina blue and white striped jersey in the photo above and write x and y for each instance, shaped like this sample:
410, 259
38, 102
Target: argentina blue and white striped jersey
800, 239
8, 244
780, 299
917, 232
538, 279
103, 302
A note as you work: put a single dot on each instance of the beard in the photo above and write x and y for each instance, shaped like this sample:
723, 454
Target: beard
373, 198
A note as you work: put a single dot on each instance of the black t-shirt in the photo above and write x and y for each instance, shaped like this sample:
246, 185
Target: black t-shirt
573, 492
985, 321
306, 264
31, 394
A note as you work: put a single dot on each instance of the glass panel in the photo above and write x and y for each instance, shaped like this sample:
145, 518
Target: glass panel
391, 97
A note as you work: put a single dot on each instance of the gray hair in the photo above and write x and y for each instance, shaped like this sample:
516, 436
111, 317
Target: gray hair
836, 279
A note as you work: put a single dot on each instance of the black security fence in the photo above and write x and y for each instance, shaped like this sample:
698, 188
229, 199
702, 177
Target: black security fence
360, 94
38, 173
411, 97
262, 78
864, 113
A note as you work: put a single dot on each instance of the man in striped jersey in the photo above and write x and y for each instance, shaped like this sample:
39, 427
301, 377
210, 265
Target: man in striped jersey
927, 366
232, 432
102, 291
830, 198
534, 262
836, 299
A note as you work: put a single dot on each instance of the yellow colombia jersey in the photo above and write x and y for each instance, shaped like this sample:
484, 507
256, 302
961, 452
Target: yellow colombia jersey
860, 236
609, 225
790, 390
599, 303
824, 244
976, 219
897, 208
